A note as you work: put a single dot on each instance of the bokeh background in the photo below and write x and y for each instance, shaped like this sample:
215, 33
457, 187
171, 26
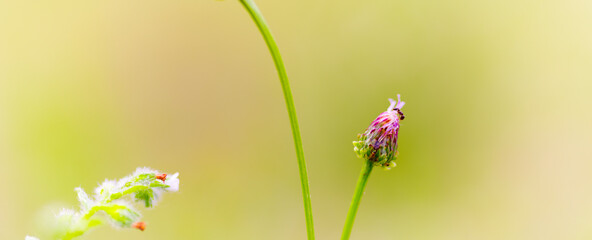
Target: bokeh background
497, 143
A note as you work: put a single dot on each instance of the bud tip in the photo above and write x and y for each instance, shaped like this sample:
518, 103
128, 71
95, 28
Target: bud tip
139, 225
161, 177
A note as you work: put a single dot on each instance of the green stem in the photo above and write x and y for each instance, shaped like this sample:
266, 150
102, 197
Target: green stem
355, 203
253, 10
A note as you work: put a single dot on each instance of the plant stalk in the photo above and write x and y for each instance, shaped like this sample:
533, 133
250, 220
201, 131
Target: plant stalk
355, 203
257, 17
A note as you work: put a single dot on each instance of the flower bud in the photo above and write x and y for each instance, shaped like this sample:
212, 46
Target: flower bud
139, 225
161, 177
378, 143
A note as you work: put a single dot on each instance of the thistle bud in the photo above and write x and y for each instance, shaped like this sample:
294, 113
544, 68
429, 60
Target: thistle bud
378, 143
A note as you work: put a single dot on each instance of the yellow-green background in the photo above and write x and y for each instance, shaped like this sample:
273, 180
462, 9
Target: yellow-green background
497, 143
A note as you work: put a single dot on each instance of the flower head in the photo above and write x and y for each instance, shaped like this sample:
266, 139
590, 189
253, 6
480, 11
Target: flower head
379, 142
172, 182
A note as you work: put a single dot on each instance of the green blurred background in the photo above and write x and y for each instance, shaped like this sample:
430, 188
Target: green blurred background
497, 143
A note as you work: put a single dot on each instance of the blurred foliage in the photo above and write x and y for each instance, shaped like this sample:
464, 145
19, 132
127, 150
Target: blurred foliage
495, 144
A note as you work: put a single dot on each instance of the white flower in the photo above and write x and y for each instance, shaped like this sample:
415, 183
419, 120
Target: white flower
142, 170
173, 182
114, 199
106, 188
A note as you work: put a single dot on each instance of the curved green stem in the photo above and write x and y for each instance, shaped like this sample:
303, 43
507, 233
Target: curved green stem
355, 203
253, 10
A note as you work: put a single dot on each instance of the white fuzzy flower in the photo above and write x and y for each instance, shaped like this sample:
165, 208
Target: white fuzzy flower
143, 170
114, 200
173, 182
106, 188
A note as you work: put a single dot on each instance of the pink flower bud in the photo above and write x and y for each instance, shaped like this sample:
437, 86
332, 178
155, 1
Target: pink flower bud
379, 142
